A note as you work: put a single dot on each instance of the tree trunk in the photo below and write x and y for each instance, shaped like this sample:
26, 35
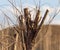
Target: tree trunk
28, 46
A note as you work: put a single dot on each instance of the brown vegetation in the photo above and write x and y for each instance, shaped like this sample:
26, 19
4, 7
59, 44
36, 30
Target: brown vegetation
50, 42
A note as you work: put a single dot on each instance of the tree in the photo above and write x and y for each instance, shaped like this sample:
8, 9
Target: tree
28, 29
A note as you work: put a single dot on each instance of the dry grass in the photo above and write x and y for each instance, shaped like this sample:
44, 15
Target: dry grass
48, 43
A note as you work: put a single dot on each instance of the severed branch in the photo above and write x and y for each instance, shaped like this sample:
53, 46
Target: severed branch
39, 27
43, 19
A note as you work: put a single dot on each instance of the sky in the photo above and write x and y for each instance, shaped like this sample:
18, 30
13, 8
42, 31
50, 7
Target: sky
52, 5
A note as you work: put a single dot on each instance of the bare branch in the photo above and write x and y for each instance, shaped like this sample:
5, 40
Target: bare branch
43, 19
14, 6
